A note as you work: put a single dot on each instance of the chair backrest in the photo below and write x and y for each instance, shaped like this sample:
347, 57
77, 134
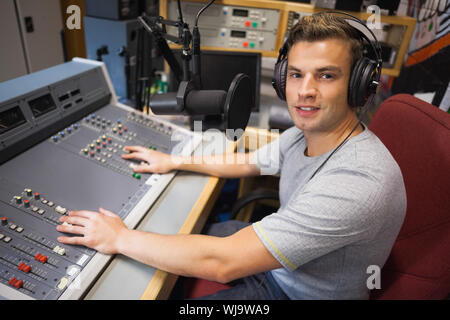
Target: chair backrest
418, 136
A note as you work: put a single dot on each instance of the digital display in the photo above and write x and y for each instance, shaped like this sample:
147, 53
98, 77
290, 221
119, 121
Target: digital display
10, 119
42, 105
237, 34
240, 13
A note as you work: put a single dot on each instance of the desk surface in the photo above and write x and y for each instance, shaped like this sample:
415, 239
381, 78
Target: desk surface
182, 208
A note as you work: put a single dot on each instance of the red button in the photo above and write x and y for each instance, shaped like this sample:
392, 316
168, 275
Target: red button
36, 195
25, 268
12, 281
18, 284
248, 23
245, 44
125, 129
39, 257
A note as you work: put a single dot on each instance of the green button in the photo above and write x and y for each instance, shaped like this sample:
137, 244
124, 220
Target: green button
252, 45
138, 176
134, 174
254, 24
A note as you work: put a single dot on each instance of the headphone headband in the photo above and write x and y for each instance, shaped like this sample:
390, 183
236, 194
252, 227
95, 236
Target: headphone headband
376, 47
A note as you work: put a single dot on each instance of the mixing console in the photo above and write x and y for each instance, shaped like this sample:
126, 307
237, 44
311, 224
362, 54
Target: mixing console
62, 134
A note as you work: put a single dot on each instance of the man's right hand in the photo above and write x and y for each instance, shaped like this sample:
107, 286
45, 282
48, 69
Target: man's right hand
156, 161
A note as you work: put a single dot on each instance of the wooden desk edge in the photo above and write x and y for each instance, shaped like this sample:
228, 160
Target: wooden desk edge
162, 282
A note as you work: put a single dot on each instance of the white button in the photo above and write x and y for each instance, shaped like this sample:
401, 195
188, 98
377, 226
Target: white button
63, 283
60, 210
12, 226
7, 239
41, 211
19, 229
59, 250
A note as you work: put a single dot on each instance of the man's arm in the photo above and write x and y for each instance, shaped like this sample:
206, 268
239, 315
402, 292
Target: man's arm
213, 258
224, 166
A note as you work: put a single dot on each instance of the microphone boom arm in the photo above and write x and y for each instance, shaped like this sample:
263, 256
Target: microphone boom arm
151, 26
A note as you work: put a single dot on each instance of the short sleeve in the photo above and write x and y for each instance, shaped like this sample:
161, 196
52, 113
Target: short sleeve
269, 158
333, 210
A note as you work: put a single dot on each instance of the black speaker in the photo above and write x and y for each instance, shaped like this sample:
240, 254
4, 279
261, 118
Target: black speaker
150, 7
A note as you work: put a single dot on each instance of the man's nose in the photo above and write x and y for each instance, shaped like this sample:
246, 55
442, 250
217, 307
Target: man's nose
308, 88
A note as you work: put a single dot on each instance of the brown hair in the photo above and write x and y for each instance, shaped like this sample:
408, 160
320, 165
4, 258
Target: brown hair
326, 26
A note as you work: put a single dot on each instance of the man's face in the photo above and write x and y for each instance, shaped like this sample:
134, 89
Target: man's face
317, 83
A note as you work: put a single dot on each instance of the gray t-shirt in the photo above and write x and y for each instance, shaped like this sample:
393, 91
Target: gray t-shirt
330, 229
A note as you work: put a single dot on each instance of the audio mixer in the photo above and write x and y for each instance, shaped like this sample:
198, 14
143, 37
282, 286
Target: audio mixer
62, 134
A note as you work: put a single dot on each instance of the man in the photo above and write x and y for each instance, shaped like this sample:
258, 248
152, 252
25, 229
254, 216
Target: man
341, 208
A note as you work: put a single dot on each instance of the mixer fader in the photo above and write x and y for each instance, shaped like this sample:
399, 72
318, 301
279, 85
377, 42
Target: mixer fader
62, 135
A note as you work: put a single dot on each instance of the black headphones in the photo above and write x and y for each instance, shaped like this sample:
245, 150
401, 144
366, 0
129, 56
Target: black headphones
364, 77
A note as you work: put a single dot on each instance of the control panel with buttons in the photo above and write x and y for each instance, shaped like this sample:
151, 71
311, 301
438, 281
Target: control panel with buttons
229, 26
55, 159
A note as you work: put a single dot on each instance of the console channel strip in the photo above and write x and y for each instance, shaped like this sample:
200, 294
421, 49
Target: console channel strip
62, 134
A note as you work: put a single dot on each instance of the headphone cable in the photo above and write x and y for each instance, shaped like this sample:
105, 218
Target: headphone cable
336, 149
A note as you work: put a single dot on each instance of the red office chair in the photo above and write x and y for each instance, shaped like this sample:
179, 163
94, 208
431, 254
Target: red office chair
418, 136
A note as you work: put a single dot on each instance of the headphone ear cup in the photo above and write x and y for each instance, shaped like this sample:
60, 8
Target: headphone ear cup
355, 77
279, 79
368, 76
361, 79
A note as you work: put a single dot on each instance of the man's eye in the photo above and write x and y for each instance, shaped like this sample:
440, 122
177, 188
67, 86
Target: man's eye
295, 75
326, 76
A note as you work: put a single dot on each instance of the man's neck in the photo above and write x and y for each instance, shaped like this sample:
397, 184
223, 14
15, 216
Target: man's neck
320, 143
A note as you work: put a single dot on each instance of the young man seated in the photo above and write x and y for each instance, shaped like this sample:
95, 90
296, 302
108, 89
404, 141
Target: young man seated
342, 195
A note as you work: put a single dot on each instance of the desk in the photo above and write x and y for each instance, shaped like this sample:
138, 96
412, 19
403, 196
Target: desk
183, 207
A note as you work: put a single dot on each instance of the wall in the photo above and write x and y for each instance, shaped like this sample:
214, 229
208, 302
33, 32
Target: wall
425, 70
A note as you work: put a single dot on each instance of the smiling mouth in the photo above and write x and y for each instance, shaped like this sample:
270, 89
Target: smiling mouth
306, 108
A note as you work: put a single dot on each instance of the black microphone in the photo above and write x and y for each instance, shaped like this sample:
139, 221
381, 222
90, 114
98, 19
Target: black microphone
195, 102
235, 104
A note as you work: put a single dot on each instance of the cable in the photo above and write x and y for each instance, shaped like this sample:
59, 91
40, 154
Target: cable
180, 13
201, 11
336, 149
